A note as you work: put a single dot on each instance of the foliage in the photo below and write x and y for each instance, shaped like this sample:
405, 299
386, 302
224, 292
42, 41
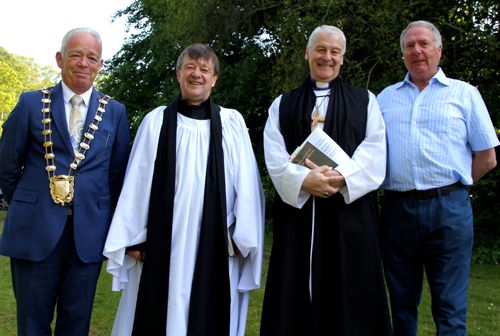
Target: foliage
261, 45
486, 253
10, 84
485, 197
18, 74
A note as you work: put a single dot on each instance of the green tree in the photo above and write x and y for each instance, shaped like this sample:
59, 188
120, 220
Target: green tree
18, 74
10, 85
261, 45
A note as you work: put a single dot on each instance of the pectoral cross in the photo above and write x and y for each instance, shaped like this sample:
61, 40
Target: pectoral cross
316, 118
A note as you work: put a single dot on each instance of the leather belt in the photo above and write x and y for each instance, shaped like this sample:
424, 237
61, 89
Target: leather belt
426, 194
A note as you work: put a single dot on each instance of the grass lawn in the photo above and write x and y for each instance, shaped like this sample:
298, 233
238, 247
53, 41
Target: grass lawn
483, 316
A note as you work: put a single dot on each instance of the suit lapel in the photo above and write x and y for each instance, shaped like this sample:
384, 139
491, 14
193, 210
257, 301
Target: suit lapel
91, 112
59, 116
93, 104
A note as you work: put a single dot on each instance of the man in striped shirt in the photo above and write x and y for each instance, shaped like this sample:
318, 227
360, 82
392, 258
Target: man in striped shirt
440, 141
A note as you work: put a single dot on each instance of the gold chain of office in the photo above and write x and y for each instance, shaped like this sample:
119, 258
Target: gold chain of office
62, 186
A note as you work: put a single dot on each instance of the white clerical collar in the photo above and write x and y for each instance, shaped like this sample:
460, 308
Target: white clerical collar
320, 86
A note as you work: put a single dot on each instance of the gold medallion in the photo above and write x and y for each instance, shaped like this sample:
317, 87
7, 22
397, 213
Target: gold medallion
62, 188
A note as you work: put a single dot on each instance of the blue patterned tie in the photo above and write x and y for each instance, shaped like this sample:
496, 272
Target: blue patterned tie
76, 123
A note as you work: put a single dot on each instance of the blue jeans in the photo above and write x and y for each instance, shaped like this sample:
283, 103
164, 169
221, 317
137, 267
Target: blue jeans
435, 235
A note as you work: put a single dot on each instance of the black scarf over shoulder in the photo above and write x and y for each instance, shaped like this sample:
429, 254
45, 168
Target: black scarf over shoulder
345, 120
347, 289
209, 309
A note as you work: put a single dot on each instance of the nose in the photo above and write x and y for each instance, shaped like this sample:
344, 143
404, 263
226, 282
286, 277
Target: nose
328, 54
417, 49
196, 72
83, 62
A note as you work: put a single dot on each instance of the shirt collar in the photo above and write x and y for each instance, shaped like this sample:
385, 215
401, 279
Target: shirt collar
438, 77
441, 78
68, 94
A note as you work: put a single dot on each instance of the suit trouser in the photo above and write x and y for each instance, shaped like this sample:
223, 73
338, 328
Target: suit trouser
432, 234
61, 280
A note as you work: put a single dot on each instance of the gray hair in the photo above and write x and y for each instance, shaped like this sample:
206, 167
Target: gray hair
332, 30
425, 24
197, 51
76, 31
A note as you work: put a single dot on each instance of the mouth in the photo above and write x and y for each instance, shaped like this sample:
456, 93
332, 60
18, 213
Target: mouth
195, 83
81, 74
417, 62
325, 66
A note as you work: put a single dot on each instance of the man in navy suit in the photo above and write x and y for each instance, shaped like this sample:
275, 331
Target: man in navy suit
61, 197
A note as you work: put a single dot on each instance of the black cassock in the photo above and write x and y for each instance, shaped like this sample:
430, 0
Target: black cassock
347, 286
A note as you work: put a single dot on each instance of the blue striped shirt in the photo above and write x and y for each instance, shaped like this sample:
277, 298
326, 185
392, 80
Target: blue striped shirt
432, 133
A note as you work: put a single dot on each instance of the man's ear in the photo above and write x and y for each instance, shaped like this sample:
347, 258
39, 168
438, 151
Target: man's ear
59, 58
214, 80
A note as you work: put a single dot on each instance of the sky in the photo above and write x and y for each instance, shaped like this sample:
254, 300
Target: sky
35, 28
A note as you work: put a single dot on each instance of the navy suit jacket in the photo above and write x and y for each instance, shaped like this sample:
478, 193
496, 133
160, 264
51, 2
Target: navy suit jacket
34, 223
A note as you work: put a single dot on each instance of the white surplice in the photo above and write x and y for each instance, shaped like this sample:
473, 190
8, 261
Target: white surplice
365, 171
245, 205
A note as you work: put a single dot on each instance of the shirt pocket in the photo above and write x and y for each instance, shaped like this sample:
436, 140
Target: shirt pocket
440, 123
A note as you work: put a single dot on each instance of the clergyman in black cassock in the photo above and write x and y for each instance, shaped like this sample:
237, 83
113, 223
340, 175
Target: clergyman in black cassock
325, 274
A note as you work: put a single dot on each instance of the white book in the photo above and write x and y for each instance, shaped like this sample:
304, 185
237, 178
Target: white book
320, 149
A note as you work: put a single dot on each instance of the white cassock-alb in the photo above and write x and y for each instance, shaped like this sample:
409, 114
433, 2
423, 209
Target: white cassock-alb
245, 206
365, 171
